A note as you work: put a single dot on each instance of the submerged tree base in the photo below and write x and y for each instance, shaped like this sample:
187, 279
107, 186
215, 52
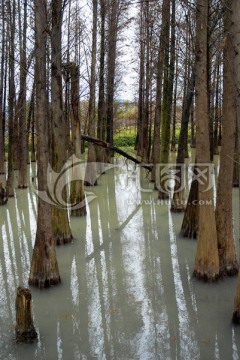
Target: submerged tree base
206, 277
229, 270
44, 283
25, 331
63, 239
61, 228
44, 270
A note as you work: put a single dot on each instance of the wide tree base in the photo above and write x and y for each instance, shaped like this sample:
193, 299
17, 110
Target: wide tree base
229, 270
63, 239
61, 228
44, 283
206, 277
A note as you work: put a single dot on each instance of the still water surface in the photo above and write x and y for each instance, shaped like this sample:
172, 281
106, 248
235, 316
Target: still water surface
127, 290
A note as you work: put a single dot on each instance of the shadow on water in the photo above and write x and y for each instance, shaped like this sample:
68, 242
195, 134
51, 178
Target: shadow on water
127, 290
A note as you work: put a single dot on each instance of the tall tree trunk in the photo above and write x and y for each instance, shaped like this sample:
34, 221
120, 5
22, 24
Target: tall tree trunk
91, 169
189, 228
236, 31
216, 114
193, 139
44, 267
206, 259
101, 103
167, 98
178, 201
30, 125
236, 163
77, 196
11, 99
61, 227
111, 68
174, 112
145, 115
224, 223
139, 139
101, 124
158, 111
3, 53
22, 180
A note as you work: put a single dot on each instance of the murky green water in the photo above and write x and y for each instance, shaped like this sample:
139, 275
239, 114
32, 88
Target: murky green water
127, 290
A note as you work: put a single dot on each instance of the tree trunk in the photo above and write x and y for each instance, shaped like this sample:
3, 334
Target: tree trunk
139, 139
145, 125
216, 114
236, 31
25, 330
158, 110
91, 169
189, 227
23, 181
77, 196
111, 69
193, 139
174, 112
101, 124
61, 227
206, 259
166, 102
236, 168
30, 126
178, 201
3, 47
224, 222
44, 267
11, 100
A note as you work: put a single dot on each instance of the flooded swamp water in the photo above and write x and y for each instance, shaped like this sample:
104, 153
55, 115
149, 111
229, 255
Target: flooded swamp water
127, 290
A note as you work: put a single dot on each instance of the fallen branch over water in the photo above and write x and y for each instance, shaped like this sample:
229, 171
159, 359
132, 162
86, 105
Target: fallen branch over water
106, 145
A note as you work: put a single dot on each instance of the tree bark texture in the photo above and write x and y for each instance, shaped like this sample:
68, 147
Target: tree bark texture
44, 267
206, 259
224, 215
25, 330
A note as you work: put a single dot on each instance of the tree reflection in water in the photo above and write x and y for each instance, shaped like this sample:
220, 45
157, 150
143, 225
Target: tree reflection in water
127, 290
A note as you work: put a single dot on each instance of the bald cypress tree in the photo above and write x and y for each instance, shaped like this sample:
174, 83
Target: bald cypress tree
44, 267
206, 259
